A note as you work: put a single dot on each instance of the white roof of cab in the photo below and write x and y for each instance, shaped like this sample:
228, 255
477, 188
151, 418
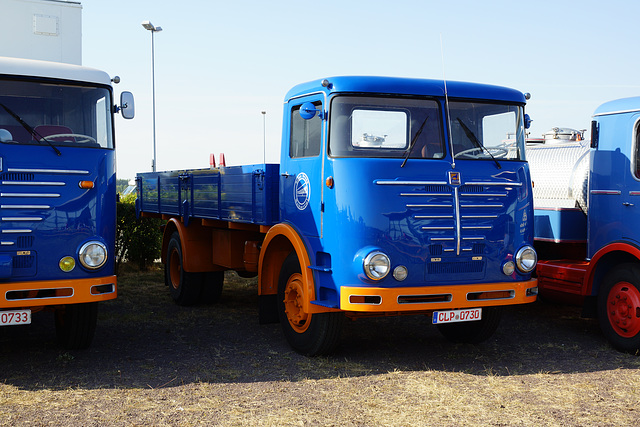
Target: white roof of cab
55, 70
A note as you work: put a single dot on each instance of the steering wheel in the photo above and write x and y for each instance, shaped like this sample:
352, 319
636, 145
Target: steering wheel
79, 138
499, 152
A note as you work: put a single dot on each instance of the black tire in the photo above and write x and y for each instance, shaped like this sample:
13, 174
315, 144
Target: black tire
212, 287
308, 334
619, 307
185, 288
76, 325
473, 332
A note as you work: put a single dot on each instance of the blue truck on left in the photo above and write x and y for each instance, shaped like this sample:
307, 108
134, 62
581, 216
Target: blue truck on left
57, 194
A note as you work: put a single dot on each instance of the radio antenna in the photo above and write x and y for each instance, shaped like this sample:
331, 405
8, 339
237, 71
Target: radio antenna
446, 103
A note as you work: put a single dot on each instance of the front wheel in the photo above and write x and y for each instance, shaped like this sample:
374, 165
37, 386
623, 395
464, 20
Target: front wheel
185, 287
308, 334
619, 307
76, 325
473, 332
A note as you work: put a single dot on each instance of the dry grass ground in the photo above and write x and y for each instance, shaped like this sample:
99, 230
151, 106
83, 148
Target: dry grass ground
154, 363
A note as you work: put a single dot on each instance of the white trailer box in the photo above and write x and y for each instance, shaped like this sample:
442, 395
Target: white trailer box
49, 30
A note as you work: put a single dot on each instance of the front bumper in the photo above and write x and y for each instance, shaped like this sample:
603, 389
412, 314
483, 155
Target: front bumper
429, 298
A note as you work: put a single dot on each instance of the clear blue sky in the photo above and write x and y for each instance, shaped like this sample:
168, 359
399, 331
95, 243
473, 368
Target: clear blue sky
220, 63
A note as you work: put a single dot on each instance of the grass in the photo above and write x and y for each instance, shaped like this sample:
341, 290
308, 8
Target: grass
154, 363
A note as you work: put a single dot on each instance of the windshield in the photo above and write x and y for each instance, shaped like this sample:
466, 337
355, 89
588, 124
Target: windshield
56, 114
486, 131
385, 127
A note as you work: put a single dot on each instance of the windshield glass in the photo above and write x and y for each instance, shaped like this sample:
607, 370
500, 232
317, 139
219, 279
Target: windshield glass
64, 115
483, 130
385, 127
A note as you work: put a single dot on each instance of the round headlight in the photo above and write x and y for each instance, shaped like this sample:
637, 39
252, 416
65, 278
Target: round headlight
377, 265
526, 259
400, 273
93, 255
508, 268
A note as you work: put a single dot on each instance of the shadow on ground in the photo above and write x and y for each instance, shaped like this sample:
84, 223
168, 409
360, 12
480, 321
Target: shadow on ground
143, 340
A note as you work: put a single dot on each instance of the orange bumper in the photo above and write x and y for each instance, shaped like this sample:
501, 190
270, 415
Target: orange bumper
57, 292
426, 298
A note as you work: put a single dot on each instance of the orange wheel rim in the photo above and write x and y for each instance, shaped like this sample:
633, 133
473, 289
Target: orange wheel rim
293, 304
175, 267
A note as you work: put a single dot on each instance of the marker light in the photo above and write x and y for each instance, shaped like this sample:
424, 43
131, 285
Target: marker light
377, 265
87, 185
400, 273
93, 255
526, 259
67, 264
508, 268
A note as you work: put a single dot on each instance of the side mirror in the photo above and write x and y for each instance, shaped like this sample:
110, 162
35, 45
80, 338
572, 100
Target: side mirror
527, 121
127, 107
308, 111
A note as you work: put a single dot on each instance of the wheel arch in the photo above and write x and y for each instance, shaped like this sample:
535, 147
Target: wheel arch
196, 242
280, 241
607, 259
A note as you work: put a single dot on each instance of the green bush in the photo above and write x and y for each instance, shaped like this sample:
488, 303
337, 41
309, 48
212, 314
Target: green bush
138, 241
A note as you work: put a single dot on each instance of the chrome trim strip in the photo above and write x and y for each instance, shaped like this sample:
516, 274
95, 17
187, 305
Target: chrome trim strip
456, 197
499, 184
16, 231
381, 182
25, 207
437, 228
44, 195
479, 216
473, 238
483, 194
433, 217
427, 194
7, 243
477, 227
443, 239
60, 184
482, 206
18, 218
428, 206
634, 193
606, 192
69, 171
615, 112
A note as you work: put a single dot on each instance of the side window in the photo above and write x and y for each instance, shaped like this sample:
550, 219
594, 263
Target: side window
305, 138
636, 169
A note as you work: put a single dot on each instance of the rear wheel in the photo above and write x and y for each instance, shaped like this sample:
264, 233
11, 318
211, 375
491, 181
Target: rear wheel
473, 332
76, 325
619, 307
185, 287
308, 334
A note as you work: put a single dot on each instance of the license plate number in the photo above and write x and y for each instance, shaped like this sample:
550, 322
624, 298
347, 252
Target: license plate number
15, 317
452, 316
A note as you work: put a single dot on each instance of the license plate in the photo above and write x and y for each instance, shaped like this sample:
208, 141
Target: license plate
15, 317
452, 316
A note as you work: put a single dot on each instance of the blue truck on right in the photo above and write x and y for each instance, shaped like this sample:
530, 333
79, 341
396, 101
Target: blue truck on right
587, 210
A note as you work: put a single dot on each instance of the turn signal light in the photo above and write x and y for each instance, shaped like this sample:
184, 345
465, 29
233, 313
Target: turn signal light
86, 185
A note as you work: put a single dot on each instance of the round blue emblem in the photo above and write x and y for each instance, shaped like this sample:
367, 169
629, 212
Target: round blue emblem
301, 191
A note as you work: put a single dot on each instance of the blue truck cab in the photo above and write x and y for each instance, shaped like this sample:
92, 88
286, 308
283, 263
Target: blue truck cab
57, 194
590, 252
392, 196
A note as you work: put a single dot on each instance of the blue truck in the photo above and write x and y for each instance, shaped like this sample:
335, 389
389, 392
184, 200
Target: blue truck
57, 194
393, 196
587, 207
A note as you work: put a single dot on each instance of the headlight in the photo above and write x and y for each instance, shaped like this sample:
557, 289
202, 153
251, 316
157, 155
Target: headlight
526, 259
377, 265
93, 255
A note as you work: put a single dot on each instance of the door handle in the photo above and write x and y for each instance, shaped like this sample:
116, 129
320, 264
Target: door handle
627, 204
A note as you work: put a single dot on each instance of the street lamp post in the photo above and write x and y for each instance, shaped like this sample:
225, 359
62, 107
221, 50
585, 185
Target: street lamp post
264, 136
147, 25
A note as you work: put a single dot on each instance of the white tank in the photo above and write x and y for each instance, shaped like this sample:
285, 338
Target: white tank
560, 169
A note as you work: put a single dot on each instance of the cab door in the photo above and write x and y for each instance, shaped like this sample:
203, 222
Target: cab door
301, 165
631, 187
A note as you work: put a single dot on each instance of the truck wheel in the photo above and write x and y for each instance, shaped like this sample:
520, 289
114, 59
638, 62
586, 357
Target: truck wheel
473, 332
619, 307
184, 287
308, 334
76, 325
212, 287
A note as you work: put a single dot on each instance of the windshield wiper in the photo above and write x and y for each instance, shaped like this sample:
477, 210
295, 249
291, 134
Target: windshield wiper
413, 142
29, 129
476, 142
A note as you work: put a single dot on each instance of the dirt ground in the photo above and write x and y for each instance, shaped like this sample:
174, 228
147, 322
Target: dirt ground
155, 363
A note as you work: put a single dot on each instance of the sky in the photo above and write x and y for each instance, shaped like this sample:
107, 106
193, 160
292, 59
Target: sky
220, 64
